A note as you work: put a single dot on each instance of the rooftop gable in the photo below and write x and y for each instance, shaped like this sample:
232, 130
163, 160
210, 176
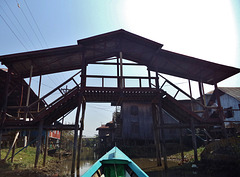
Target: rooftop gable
101, 47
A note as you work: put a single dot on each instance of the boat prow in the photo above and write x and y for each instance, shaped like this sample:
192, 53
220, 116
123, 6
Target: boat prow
115, 163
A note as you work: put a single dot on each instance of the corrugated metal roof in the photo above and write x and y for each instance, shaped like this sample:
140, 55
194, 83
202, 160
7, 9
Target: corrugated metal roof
232, 91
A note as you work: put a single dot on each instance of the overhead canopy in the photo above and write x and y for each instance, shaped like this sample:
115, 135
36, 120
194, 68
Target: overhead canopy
133, 47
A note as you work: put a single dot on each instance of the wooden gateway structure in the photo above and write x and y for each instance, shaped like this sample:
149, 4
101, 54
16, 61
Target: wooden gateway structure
111, 50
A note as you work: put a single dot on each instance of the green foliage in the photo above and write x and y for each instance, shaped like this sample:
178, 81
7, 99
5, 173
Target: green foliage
89, 142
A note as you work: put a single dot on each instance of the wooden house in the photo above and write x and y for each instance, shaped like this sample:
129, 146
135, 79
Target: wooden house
106, 134
230, 102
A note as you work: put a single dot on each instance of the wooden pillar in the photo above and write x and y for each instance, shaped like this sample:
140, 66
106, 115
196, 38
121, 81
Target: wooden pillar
220, 110
156, 135
149, 79
194, 140
84, 72
46, 148
157, 80
118, 78
201, 92
13, 152
181, 144
0, 144
121, 71
14, 141
190, 91
76, 133
164, 152
29, 86
39, 92
80, 135
60, 142
39, 142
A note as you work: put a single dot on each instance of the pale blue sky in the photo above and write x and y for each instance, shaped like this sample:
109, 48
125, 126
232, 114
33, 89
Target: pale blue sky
203, 29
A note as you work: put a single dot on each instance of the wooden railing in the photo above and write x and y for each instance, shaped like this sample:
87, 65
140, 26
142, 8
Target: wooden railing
29, 110
121, 81
204, 109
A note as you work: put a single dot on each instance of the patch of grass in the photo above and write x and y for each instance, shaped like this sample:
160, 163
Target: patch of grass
24, 159
188, 155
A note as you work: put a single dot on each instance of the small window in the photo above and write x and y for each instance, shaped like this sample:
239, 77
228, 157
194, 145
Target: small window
134, 110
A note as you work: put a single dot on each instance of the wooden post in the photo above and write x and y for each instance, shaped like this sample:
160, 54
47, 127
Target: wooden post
39, 142
157, 81
29, 86
60, 142
181, 144
201, 92
220, 110
149, 79
121, 71
14, 141
13, 152
204, 96
118, 78
46, 148
76, 133
164, 152
190, 91
0, 144
80, 134
194, 140
156, 135
39, 92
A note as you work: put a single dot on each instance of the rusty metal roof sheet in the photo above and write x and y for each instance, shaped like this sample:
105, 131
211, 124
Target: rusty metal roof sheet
133, 47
